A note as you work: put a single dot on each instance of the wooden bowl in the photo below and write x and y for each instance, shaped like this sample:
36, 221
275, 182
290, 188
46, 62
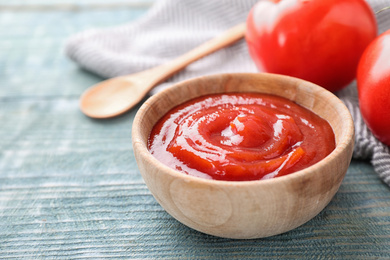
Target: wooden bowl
246, 209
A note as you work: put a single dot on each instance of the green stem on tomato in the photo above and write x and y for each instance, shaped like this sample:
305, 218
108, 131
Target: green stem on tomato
381, 10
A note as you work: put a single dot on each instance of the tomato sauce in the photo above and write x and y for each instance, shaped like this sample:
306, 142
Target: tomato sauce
240, 137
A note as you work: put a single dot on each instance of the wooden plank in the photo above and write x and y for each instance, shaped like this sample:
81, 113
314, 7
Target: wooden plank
109, 215
32, 60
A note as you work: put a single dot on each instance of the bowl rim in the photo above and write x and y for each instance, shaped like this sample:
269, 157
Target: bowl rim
347, 136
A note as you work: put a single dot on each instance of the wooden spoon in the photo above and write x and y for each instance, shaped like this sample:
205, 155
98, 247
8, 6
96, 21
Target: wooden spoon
116, 96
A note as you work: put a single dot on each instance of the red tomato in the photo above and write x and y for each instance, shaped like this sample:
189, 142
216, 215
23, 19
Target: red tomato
317, 40
373, 80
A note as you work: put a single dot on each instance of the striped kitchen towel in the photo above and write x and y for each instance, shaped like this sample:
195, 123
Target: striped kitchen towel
172, 27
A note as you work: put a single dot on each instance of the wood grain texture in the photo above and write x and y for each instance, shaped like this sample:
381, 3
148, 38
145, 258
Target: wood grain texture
70, 188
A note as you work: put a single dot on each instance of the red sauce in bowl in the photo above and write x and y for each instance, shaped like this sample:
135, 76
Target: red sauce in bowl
240, 137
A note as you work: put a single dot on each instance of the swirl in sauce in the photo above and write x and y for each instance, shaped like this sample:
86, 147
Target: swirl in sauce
240, 137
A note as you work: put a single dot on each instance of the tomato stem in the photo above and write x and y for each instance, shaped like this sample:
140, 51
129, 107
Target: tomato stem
383, 9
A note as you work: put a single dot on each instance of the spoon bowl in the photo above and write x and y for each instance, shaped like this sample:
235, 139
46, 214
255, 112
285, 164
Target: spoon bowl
245, 209
116, 96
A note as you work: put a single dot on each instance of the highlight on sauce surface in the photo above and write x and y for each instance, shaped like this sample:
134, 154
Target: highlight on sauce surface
240, 137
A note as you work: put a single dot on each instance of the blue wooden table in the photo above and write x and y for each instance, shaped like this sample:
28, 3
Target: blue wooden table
70, 187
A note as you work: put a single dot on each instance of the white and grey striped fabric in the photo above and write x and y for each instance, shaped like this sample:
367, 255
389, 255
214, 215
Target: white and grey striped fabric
172, 27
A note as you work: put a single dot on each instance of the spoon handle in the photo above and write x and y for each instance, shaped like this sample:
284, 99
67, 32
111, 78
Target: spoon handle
225, 39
